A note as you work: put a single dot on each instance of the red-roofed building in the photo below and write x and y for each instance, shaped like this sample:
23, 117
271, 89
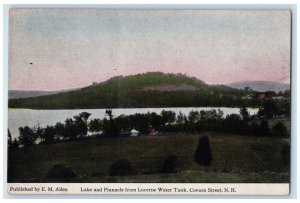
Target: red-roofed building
261, 96
152, 132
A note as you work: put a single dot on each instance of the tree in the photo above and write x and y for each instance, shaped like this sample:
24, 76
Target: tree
156, 121
122, 123
106, 126
168, 116
193, 116
211, 115
80, 124
27, 136
95, 125
84, 116
140, 122
110, 129
233, 118
181, 118
269, 109
233, 123
214, 115
39, 132
203, 115
12, 143
15, 144
244, 113
109, 113
48, 134
69, 130
203, 153
9, 138
59, 129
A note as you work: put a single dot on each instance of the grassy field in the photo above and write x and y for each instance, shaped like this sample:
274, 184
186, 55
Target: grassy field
235, 159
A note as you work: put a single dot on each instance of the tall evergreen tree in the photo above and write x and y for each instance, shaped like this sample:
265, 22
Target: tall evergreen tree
9, 138
203, 153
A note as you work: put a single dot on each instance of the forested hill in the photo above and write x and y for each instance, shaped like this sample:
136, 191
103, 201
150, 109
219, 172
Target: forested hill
154, 89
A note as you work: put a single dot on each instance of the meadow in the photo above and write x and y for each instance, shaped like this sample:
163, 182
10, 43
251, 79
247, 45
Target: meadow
236, 158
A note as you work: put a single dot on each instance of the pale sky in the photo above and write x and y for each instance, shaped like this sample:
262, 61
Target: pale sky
54, 49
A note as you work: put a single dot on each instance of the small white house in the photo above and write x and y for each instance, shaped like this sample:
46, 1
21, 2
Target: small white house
134, 133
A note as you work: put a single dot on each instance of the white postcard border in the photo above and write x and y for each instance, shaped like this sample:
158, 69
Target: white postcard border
260, 189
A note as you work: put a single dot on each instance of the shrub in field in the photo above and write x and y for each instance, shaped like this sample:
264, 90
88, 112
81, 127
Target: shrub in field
121, 167
169, 165
203, 153
59, 172
280, 129
264, 127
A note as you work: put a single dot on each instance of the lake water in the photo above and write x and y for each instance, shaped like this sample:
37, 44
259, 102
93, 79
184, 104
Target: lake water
32, 118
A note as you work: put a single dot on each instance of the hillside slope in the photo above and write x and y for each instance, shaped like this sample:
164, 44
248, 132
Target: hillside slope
142, 90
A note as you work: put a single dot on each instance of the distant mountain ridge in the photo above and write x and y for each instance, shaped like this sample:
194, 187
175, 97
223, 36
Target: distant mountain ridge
261, 86
285, 80
16, 94
154, 89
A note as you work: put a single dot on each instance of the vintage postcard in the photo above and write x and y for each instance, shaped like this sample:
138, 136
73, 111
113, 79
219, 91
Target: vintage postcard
187, 102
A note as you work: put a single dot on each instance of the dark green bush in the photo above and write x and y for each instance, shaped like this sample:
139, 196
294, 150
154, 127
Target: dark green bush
169, 165
121, 167
59, 172
280, 129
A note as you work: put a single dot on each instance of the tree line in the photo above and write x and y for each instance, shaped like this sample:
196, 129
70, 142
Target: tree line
77, 128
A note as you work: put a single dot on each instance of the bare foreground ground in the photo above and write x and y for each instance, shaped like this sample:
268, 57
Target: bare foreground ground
236, 159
